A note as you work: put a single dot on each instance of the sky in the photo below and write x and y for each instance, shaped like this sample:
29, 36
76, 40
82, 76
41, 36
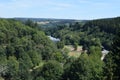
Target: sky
61, 9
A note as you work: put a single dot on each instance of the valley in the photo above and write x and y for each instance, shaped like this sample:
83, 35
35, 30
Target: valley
45, 49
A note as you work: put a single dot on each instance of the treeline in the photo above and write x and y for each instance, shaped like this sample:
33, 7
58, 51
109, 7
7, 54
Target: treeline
111, 25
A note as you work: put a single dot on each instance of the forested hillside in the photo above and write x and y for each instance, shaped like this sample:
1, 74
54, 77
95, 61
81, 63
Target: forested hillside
110, 25
27, 53
94, 32
22, 48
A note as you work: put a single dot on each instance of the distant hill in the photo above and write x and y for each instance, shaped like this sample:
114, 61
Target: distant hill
109, 25
44, 19
50, 22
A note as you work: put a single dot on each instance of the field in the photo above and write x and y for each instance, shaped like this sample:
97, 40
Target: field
72, 52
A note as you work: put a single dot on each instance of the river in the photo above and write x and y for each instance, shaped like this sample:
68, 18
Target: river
54, 39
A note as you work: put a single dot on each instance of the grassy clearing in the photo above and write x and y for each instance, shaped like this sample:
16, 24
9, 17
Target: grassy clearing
72, 52
1, 78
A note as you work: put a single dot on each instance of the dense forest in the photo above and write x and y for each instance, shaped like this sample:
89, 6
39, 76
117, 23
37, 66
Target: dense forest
27, 53
94, 32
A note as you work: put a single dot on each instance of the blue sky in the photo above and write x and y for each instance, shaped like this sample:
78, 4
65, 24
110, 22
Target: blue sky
67, 9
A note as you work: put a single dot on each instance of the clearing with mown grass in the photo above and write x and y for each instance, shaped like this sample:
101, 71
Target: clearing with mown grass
72, 51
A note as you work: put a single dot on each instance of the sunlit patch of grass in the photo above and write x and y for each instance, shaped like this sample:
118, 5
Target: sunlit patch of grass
72, 52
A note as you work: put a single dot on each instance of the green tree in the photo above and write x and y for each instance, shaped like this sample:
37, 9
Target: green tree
86, 68
109, 67
75, 46
59, 57
52, 70
3, 62
24, 70
25, 65
60, 44
13, 68
40, 78
95, 51
115, 57
10, 51
30, 23
35, 57
80, 69
2, 37
26, 59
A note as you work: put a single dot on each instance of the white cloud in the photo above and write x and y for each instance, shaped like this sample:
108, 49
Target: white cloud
14, 4
90, 2
27, 4
21, 7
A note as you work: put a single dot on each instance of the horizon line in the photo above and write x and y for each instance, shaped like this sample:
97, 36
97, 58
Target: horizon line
62, 18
